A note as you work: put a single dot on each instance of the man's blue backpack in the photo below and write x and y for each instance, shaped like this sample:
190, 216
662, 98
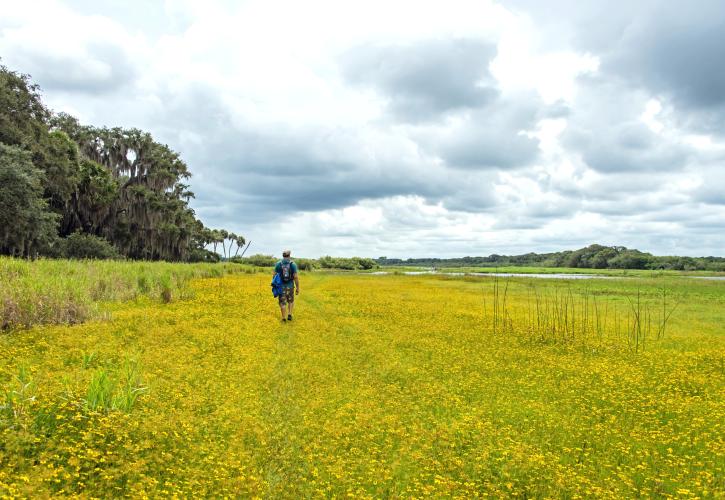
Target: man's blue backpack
286, 271
276, 285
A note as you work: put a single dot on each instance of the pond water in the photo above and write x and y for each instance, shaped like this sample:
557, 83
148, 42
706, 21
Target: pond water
558, 276
561, 276
553, 276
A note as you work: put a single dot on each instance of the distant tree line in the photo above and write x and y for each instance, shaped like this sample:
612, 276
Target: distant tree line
326, 262
72, 190
591, 257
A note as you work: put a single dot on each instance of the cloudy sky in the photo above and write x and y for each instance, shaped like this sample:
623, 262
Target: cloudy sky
409, 128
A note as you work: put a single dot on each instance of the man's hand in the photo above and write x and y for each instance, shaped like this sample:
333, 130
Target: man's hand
297, 291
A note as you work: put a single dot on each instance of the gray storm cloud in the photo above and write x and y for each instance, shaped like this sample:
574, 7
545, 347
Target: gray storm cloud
425, 79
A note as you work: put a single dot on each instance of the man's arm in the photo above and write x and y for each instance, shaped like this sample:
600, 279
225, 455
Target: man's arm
297, 284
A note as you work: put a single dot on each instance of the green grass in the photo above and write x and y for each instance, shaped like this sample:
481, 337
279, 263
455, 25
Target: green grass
71, 291
383, 386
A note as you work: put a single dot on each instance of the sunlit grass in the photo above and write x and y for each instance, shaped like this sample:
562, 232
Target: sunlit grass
382, 386
70, 291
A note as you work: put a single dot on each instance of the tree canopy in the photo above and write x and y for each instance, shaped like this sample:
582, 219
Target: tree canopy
26, 225
60, 178
591, 257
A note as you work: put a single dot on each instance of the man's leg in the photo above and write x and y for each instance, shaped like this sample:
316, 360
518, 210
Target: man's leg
290, 302
282, 306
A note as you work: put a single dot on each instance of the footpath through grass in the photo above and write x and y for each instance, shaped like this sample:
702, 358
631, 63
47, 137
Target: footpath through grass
382, 386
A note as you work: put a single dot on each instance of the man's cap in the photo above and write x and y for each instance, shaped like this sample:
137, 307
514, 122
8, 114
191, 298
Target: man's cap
286, 253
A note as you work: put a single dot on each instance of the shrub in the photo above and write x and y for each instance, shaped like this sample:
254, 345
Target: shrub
306, 264
350, 264
203, 255
87, 246
258, 260
365, 263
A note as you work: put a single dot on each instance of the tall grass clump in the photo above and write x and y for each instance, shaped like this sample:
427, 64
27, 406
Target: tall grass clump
15, 399
165, 288
106, 392
69, 291
130, 386
100, 391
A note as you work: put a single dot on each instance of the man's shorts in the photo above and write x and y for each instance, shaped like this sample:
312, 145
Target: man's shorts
287, 296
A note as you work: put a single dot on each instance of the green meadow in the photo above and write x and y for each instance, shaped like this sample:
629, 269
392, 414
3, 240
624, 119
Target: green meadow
179, 380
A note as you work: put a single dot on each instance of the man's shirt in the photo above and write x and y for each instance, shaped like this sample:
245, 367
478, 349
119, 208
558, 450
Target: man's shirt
293, 269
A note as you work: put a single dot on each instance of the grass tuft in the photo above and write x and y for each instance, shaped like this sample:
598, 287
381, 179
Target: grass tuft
107, 393
100, 391
70, 292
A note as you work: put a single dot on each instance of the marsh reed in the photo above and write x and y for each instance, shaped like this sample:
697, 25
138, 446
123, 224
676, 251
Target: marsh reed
576, 317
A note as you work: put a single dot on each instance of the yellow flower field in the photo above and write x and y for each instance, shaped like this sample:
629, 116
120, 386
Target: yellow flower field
382, 386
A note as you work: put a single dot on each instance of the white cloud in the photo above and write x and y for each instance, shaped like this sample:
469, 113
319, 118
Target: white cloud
545, 151
523, 65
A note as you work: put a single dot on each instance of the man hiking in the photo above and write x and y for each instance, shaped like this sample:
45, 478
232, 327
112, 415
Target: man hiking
287, 272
